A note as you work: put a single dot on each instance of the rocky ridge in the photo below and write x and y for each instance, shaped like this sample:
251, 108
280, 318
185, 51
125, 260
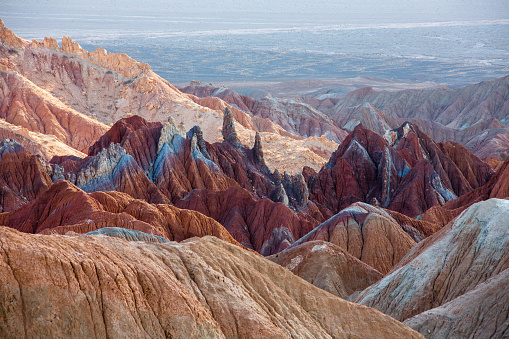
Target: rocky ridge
64, 208
445, 272
388, 171
367, 233
328, 267
475, 116
203, 287
496, 187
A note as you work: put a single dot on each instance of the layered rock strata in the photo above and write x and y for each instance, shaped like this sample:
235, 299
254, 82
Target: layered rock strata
446, 272
96, 286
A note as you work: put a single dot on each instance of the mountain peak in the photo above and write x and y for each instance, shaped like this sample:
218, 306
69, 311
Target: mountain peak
9, 39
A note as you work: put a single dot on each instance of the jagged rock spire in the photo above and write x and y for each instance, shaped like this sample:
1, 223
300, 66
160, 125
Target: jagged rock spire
200, 142
277, 177
279, 193
258, 150
295, 186
229, 133
168, 131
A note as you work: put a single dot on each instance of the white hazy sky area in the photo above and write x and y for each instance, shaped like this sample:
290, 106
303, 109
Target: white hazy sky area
375, 10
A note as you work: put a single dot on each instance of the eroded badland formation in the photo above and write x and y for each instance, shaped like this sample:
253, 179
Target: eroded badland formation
131, 208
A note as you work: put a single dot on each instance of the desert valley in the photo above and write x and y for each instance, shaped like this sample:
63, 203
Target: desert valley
134, 208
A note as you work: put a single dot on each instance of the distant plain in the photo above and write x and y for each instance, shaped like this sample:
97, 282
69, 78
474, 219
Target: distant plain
235, 48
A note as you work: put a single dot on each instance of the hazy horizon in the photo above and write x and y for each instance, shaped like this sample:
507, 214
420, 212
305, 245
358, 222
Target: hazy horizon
368, 9
441, 41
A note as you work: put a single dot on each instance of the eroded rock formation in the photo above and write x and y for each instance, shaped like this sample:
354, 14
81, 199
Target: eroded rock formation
328, 267
367, 233
102, 286
64, 208
23, 176
260, 224
405, 171
496, 187
451, 263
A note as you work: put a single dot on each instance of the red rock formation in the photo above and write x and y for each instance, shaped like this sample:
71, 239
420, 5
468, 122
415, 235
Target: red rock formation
164, 166
259, 224
177, 164
475, 171
204, 287
328, 267
22, 176
448, 265
369, 234
120, 131
496, 187
26, 105
405, 171
64, 207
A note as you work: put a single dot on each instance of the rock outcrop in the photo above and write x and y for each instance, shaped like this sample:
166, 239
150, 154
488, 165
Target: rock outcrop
475, 116
496, 187
455, 108
112, 169
153, 161
10, 39
65, 208
258, 149
96, 286
118, 133
23, 176
452, 263
405, 171
229, 133
328, 267
367, 233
